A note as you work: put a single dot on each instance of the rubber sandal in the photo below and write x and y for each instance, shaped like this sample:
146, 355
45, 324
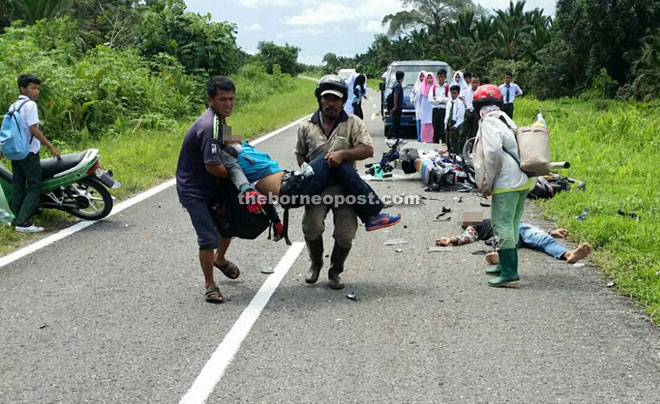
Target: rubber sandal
213, 295
229, 269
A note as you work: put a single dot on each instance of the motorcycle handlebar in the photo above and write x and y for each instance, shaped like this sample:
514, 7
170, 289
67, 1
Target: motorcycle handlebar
560, 164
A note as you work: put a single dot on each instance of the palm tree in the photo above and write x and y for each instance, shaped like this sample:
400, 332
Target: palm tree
31, 11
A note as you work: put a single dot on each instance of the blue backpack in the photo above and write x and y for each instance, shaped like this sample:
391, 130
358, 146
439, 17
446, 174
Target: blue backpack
14, 144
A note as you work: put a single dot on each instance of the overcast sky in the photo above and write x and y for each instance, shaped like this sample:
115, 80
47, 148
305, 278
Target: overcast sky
343, 27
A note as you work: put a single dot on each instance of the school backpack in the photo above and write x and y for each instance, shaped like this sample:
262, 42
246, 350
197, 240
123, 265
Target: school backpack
389, 101
14, 144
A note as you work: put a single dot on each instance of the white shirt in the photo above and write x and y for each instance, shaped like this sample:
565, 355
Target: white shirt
467, 96
513, 91
439, 95
30, 115
458, 112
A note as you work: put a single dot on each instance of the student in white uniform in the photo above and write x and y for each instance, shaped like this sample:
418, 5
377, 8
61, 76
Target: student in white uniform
510, 91
438, 97
454, 119
470, 123
416, 99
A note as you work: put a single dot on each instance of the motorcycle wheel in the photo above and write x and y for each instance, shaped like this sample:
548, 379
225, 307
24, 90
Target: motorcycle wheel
99, 198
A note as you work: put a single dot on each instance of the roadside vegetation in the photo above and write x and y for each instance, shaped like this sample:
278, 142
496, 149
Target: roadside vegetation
133, 90
613, 146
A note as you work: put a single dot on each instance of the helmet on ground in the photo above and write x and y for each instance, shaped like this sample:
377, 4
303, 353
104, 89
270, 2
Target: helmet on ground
332, 84
487, 94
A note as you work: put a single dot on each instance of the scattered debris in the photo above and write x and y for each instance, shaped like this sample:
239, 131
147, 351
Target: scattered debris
388, 205
439, 249
405, 227
481, 252
583, 215
446, 219
267, 271
353, 296
626, 214
610, 284
484, 204
459, 199
578, 264
396, 241
148, 236
399, 250
42, 326
430, 198
445, 210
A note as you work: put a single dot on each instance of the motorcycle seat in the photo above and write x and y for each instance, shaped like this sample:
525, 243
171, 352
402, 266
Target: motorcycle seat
52, 166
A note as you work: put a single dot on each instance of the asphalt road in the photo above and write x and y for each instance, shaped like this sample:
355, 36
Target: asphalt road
115, 314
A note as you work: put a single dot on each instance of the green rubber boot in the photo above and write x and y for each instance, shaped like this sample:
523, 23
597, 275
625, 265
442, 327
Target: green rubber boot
496, 269
509, 274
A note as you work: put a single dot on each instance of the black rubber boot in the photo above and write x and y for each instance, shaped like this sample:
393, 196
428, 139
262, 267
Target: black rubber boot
315, 249
339, 255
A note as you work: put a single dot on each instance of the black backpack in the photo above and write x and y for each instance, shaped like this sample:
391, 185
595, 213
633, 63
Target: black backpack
389, 101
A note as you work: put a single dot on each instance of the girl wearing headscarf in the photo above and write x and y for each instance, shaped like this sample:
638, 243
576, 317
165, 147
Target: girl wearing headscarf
416, 99
459, 81
426, 108
348, 106
359, 91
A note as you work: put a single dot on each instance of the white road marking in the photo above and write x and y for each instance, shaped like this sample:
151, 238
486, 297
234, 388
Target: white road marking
45, 242
217, 365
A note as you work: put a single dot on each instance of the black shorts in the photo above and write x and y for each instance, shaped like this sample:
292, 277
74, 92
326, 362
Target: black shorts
208, 234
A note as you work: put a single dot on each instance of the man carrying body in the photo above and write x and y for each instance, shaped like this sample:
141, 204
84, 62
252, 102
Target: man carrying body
332, 133
200, 172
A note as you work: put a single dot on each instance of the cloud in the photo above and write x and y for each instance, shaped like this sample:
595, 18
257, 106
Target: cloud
301, 32
374, 26
323, 14
371, 11
254, 27
261, 3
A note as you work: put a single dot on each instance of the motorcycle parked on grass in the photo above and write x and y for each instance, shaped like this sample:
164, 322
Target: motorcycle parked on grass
75, 184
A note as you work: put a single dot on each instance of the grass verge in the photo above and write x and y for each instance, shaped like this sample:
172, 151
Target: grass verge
141, 159
614, 147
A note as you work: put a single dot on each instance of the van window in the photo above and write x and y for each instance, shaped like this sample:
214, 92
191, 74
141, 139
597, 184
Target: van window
412, 73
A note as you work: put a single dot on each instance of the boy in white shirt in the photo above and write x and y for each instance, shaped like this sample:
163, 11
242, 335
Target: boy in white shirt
453, 120
26, 184
470, 123
509, 92
438, 97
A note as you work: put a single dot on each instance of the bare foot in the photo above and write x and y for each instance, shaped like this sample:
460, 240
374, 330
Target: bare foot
492, 258
559, 233
582, 251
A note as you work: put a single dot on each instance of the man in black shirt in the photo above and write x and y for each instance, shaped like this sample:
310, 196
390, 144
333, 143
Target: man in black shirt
395, 112
202, 173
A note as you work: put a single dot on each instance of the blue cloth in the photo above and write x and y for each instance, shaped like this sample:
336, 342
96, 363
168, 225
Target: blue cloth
199, 148
536, 239
256, 164
367, 205
419, 130
358, 93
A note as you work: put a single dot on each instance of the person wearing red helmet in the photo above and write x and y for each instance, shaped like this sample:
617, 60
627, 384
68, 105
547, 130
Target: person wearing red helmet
498, 173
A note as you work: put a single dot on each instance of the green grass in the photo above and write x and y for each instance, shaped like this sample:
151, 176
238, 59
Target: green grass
615, 148
141, 158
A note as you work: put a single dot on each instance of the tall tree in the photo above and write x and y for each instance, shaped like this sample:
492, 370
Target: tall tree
31, 11
428, 14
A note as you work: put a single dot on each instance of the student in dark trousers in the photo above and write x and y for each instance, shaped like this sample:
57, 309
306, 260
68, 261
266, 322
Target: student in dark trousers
510, 91
438, 97
26, 183
395, 112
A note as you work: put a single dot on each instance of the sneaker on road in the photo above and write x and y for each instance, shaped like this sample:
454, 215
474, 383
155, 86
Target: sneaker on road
381, 221
29, 229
